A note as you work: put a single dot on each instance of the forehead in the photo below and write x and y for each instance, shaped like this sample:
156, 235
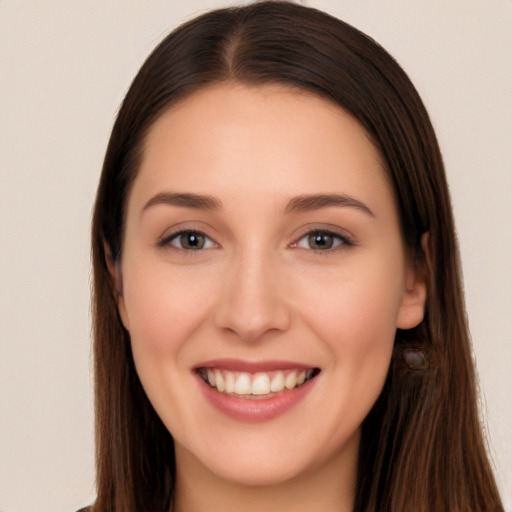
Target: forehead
242, 139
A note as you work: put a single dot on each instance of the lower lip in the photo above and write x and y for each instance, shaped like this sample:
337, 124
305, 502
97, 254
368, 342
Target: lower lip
255, 409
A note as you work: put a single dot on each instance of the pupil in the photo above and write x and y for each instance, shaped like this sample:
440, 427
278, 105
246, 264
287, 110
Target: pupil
192, 241
320, 241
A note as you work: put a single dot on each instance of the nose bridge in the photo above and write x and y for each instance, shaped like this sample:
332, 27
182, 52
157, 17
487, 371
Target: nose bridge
252, 301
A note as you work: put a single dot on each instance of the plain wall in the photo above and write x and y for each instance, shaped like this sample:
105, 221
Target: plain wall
64, 67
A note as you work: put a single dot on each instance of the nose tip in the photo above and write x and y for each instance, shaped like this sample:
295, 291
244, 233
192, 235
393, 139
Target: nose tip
253, 328
252, 304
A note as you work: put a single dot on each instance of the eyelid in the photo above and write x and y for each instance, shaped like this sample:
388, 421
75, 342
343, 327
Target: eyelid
344, 240
167, 239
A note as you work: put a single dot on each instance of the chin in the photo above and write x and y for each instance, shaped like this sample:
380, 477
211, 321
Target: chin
260, 473
264, 460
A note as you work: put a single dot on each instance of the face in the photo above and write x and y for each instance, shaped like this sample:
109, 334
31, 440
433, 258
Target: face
264, 276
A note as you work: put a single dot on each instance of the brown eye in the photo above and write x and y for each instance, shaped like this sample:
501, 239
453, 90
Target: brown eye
191, 241
320, 241
188, 241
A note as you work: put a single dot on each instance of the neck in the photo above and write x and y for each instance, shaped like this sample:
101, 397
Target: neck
329, 488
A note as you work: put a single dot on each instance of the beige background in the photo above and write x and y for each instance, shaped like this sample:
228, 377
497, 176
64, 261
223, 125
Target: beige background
64, 66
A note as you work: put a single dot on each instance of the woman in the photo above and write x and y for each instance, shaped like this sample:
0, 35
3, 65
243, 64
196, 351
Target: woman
278, 314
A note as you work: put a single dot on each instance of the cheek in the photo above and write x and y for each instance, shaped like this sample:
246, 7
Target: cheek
359, 308
356, 317
163, 308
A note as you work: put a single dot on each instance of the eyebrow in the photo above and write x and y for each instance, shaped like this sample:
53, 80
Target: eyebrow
185, 200
302, 203
305, 203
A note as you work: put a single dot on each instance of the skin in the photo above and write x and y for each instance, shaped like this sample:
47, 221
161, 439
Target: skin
258, 290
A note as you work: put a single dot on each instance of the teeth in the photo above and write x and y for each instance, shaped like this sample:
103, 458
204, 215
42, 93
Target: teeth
291, 380
230, 383
219, 381
259, 384
243, 384
277, 383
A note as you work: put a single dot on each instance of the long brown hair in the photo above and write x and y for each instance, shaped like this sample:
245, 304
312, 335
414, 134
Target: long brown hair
422, 447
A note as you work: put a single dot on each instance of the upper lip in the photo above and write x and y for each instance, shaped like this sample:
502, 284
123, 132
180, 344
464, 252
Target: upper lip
250, 366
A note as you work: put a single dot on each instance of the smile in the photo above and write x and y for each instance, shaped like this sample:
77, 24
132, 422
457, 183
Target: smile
255, 385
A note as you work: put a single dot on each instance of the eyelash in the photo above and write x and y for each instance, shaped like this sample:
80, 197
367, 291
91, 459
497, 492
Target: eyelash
339, 241
167, 240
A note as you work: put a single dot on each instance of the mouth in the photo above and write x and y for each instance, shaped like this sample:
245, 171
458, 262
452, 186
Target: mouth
257, 385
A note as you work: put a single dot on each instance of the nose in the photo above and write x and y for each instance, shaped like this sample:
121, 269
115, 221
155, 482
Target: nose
252, 302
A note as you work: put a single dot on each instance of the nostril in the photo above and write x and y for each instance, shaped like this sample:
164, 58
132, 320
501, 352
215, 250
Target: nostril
251, 325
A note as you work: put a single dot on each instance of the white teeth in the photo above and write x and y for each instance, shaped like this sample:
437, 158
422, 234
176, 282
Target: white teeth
243, 384
277, 383
230, 383
291, 380
260, 384
219, 381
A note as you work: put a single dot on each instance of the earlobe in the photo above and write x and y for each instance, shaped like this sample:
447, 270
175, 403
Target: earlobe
116, 275
412, 307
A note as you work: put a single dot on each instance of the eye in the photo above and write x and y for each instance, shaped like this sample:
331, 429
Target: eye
188, 240
319, 240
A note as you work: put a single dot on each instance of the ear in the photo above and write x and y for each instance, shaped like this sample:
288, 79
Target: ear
412, 307
114, 269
